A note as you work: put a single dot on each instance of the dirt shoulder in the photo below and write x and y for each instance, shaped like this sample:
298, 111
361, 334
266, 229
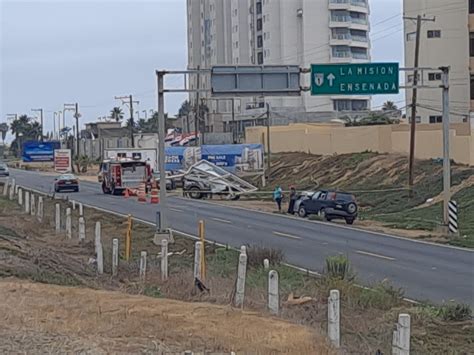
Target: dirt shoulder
84, 320
374, 226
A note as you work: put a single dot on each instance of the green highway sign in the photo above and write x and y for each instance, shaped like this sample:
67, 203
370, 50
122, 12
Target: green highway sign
354, 79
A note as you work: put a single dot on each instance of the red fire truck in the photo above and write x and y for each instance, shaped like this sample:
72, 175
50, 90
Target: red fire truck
118, 175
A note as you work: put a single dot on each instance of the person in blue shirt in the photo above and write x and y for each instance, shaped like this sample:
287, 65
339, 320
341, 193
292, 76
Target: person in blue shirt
278, 196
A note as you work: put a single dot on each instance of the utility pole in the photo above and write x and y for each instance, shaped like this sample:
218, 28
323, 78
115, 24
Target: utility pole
68, 107
124, 100
418, 20
77, 115
446, 156
161, 149
234, 140
269, 154
40, 110
197, 108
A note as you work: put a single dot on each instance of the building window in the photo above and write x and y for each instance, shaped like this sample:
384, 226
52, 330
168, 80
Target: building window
471, 44
259, 8
436, 119
260, 58
471, 6
472, 87
259, 41
434, 34
411, 36
259, 24
411, 77
350, 105
434, 76
417, 119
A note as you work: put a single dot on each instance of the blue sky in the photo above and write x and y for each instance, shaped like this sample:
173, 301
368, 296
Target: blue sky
55, 52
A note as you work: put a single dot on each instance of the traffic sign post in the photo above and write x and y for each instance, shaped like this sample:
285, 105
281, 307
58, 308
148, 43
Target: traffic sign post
355, 79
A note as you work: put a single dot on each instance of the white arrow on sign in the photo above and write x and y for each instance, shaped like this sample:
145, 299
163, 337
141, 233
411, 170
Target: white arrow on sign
331, 79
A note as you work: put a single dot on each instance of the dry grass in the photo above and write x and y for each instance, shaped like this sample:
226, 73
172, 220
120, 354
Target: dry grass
78, 320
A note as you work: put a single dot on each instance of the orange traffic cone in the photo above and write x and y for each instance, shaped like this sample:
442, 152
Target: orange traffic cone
142, 193
154, 196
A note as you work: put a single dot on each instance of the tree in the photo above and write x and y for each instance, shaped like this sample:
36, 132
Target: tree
116, 114
389, 106
24, 128
185, 109
4, 130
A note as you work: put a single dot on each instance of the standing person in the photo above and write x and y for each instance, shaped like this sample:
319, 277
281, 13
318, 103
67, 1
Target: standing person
278, 196
291, 205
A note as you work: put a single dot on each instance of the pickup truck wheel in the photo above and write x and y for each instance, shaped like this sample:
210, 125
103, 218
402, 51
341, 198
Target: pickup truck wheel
350, 220
302, 212
195, 193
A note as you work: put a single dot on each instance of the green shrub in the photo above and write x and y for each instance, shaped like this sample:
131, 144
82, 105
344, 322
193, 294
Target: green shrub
381, 296
455, 312
338, 267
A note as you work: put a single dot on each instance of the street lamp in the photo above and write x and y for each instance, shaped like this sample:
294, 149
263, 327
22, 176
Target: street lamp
146, 116
40, 110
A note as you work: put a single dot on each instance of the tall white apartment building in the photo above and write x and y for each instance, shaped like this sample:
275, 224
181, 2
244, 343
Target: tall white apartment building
258, 32
448, 41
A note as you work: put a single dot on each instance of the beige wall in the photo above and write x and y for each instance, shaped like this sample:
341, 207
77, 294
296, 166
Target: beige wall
335, 139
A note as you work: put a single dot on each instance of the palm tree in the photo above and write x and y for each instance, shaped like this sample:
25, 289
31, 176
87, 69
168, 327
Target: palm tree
116, 114
389, 106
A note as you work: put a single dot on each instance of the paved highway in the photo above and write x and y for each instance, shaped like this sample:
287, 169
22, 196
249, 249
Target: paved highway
425, 271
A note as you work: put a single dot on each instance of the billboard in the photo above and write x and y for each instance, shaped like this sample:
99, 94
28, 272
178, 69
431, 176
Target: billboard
35, 151
62, 160
236, 158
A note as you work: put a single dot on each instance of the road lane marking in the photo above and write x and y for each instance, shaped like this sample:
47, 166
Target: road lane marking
176, 209
375, 255
221, 220
286, 235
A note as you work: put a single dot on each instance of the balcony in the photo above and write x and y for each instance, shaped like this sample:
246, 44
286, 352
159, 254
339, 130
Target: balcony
337, 21
349, 5
348, 39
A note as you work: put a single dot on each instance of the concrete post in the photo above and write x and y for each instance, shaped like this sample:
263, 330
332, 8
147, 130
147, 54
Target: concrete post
240, 288
273, 292
14, 187
115, 256
395, 348
98, 232
12, 190
40, 212
100, 258
82, 229
333, 318
68, 224
58, 218
266, 264
27, 202
33, 205
81, 210
5, 187
20, 197
403, 328
73, 205
243, 250
197, 260
164, 259
142, 265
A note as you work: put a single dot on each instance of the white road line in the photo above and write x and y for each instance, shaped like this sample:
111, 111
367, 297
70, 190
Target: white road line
175, 209
286, 235
221, 220
375, 255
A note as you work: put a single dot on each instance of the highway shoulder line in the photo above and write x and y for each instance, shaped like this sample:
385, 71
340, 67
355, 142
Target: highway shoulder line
375, 255
332, 225
221, 220
284, 235
175, 209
